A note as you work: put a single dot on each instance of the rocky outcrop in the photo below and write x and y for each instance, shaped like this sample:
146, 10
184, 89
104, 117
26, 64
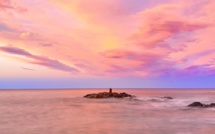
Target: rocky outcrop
109, 94
167, 97
201, 105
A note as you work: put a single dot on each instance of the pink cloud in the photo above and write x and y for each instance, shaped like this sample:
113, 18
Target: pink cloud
5, 4
130, 55
112, 38
134, 62
8, 4
161, 29
163, 22
201, 70
39, 60
28, 69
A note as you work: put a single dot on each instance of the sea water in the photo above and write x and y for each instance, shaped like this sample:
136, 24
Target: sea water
67, 112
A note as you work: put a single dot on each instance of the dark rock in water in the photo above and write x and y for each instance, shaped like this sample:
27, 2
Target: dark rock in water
212, 105
156, 100
109, 95
201, 105
167, 97
196, 104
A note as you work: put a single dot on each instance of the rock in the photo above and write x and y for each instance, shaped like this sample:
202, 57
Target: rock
212, 105
90, 96
167, 97
201, 105
109, 94
125, 95
196, 104
155, 100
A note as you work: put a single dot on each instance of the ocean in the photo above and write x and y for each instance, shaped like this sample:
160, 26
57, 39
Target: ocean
65, 111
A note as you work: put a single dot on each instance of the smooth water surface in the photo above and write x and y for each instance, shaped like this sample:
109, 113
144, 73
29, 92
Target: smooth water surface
67, 112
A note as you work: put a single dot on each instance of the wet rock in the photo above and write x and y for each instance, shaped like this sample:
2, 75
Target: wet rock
125, 95
201, 105
167, 97
156, 100
109, 95
196, 104
212, 105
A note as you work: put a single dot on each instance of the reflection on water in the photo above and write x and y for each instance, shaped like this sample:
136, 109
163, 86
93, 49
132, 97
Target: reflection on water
66, 112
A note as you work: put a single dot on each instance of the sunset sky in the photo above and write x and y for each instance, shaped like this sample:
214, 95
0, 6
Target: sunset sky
107, 43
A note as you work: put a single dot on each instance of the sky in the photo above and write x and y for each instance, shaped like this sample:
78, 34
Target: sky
107, 43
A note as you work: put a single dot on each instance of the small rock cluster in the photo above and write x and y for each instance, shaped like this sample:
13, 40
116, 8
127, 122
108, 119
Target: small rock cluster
109, 94
167, 97
201, 105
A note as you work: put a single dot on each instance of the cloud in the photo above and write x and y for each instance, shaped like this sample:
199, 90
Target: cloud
161, 23
163, 30
4, 27
200, 70
117, 53
39, 60
200, 54
130, 55
28, 69
45, 45
137, 62
16, 51
112, 38
155, 64
95, 10
5, 4
8, 4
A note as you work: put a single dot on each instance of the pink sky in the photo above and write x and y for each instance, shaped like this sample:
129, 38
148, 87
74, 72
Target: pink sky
106, 38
